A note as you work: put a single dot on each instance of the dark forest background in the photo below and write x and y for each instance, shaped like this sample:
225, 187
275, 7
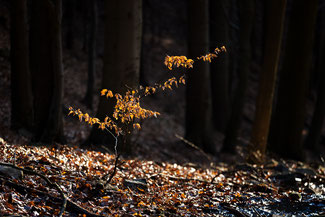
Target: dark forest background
265, 95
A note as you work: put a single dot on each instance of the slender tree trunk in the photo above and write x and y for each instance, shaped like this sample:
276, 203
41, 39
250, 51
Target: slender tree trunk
46, 69
315, 131
246, 13
198, 96
274, 31
144, 53
88, 100
121, 61
289, 117
316, 126
84, 10
21, 92
70, 18
219, 36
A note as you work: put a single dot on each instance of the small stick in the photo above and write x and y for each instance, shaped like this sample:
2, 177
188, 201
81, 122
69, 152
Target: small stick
234, 211
193, 146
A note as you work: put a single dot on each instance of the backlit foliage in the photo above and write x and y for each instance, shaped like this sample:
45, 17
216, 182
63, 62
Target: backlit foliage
183, 61
128, 110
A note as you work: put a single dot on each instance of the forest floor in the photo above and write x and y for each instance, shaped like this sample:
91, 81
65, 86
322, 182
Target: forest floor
164, 176
152, 188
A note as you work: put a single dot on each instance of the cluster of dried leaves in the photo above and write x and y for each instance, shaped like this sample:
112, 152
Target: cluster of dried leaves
147, 188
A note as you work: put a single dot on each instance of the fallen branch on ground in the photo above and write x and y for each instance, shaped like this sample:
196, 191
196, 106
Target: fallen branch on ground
174, 178
72, 207
51, 184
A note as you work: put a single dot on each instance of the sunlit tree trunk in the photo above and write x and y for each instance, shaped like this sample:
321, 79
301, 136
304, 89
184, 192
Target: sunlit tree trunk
198, 94
46, 69
246, 14
289, 117
274, 31
219, 36
121, 61
21, 92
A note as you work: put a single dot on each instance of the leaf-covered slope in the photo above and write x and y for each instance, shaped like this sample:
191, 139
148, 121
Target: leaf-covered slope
150, 188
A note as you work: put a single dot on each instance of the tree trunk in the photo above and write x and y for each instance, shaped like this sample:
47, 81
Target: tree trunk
219, 36
315, 131
198, 99
246, 13
46, 69
121, 61
88, 100
274, 31
70, 18
289, 117
21, 91
316, 126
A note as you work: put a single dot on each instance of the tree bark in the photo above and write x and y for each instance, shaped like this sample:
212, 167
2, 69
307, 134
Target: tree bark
21, 90
198, 94
70, 19
123, 32
274, 31
46, 69
88, 100
289, 117
316, 126
246, 13
315, 131
219, 36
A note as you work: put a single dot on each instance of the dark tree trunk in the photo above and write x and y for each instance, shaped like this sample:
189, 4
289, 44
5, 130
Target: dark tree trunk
274, 31
198, 95
246, 13
92, 32
70, 18
21, 92
219, 36
85, 16
289, 117
46, 69
121, 62
315, 131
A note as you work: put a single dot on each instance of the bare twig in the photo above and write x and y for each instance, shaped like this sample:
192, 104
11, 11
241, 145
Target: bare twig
193, 146
256, 212
234, 211
179, 178
214, 177
51, 184
116, 140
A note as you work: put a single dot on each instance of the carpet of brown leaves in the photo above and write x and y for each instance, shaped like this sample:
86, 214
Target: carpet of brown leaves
150, 188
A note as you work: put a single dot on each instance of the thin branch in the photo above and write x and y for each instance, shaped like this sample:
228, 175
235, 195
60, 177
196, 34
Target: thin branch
51, 184
179, 178
234, 211
193, 146
116, 140
114, 171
